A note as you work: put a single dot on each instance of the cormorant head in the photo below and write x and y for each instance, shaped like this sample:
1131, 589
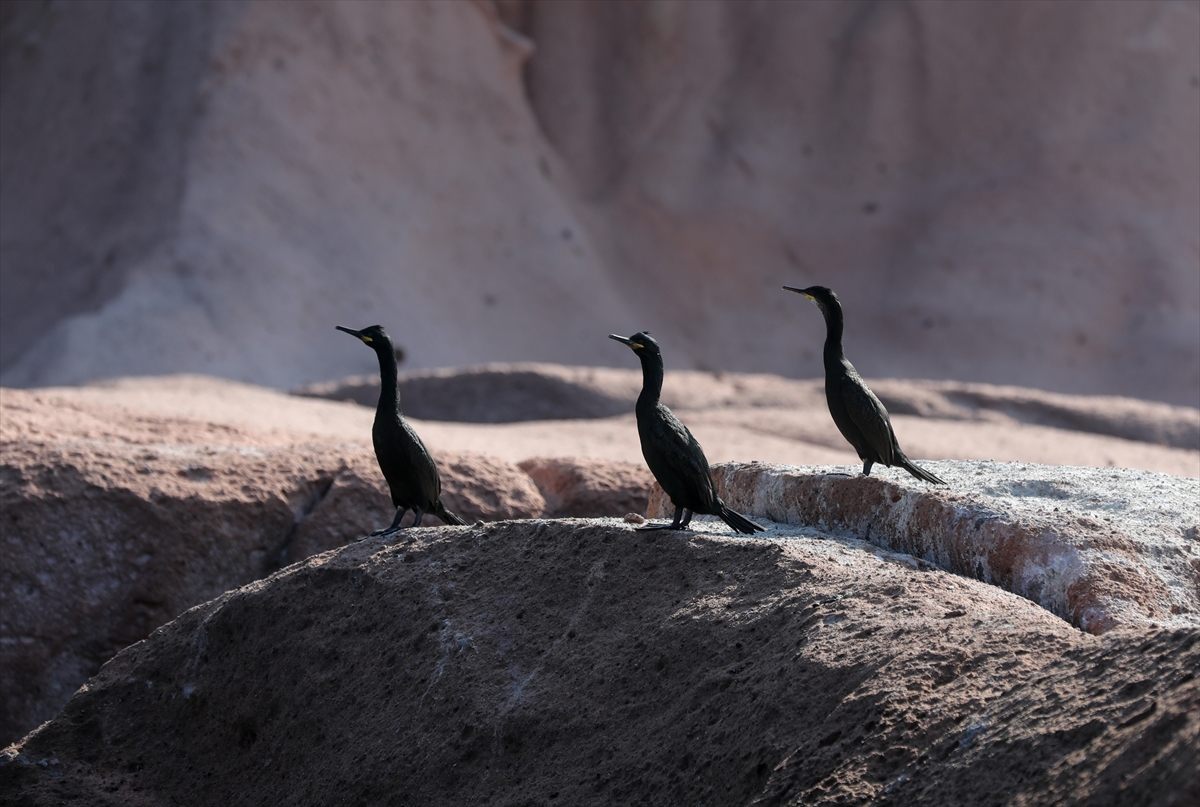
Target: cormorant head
825, 299
641, 343
373, 336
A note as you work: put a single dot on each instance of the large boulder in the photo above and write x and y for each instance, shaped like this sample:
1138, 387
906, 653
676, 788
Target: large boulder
1101, 548
113, 525
585, 663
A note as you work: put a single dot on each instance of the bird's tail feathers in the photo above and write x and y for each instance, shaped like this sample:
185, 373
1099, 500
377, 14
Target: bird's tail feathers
445, 515
919, 472
739, 522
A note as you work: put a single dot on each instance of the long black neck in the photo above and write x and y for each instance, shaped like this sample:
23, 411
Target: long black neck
833, 332
652, 379
389, 393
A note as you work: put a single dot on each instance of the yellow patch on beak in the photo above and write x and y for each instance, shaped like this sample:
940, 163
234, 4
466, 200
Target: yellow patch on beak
365, 339
636, 345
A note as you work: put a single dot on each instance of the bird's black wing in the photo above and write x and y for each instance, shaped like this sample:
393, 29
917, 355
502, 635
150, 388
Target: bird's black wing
677, 461
869, 415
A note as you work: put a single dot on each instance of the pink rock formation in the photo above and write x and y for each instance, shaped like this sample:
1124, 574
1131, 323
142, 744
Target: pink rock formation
980, 219
114, 523
128, 502
240, 177
589, 488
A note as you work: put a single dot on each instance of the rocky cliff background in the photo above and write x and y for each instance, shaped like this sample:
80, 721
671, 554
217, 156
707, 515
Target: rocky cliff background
1006, 196
1000, 192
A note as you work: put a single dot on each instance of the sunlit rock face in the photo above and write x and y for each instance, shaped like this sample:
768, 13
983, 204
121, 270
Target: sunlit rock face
999, 192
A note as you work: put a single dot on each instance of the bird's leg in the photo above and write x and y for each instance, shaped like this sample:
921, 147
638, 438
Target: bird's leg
419, 514
395, 522
687, 518
867, 467
674, 525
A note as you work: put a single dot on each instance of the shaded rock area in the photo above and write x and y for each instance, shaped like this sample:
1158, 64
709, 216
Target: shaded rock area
497, 393
1127, 418
1102, 548
588, 488
113, 524
511, 393
582, 662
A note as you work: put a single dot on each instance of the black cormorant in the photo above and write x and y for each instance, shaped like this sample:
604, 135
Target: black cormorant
673, 455
859, 415
410, 472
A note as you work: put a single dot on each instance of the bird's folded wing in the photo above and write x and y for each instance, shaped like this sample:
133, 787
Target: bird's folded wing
869, 416
684, 453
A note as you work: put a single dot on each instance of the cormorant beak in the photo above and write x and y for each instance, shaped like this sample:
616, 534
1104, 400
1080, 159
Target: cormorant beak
357, 334
623, 340
801, 292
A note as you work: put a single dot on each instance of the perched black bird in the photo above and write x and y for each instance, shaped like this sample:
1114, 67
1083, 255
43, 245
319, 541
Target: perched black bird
859, 415
410, 472
674, 456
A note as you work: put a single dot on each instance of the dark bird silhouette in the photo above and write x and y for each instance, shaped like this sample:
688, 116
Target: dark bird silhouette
673, 455
410, 472
859, 415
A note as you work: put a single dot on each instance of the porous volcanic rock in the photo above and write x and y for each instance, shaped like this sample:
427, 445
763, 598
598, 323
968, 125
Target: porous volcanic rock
356, 501
113, 523
489, 488
1101, 548
587, 488
586, 663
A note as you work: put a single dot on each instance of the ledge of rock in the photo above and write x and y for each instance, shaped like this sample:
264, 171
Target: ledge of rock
586, 663
1099, 547
113, 525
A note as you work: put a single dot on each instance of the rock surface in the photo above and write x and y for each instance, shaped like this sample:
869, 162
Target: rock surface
210, 187
979, 222
273, 478
582, 662
512, 393
1101, 548
114, 523
588, 487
